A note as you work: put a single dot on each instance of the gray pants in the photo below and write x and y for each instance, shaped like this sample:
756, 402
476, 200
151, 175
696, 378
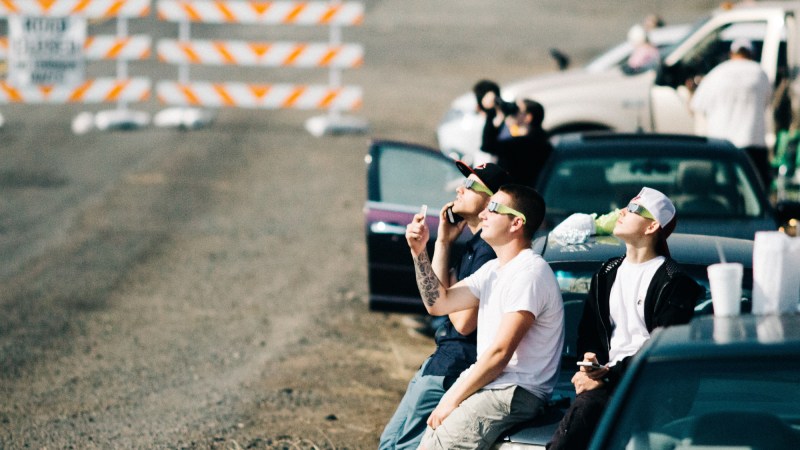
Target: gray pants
480, 420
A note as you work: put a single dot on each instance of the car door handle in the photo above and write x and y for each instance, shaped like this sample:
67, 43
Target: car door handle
387, 228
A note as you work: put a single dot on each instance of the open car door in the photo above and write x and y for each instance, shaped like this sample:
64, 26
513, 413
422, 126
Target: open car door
400, 179
701, 51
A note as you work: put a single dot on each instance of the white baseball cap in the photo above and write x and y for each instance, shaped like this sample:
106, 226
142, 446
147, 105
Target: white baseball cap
659, 205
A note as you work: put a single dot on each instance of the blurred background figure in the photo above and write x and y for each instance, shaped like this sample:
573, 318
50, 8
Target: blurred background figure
513, 133
653, 21
645, 55
731, 102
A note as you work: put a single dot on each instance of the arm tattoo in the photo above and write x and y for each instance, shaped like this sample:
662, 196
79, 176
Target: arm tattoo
427, 282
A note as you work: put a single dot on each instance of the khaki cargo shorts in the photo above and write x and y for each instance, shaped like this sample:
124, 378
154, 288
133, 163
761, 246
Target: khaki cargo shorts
480, 420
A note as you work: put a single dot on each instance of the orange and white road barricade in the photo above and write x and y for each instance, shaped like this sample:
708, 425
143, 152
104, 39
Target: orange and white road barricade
47, 50
90, 9
332, 13
186, 94
254, 54
243, 95
98, 90
105, 47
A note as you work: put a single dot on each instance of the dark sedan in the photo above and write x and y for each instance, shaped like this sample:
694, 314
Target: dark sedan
713, 184
721, 383
574, 265
401, 177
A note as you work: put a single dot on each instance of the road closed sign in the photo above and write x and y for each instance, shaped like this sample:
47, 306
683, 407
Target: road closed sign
46, 50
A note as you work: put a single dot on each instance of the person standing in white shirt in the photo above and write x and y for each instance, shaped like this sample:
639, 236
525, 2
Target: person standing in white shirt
733, 99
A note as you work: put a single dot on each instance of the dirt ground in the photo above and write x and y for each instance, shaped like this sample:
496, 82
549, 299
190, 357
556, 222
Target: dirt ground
207, 289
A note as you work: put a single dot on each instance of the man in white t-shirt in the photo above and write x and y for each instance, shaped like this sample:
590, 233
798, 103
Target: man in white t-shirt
520, 325
733, 99
629, 297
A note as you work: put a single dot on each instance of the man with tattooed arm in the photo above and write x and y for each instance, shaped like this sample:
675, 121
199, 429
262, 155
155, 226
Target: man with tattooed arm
520, 325
456, 336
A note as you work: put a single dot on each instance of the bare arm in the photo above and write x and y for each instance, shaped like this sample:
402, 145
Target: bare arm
465, 322
437, 299
489, 366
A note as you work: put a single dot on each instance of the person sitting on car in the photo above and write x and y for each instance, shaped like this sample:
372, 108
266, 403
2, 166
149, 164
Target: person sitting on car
527, 148
456, 335
520, 324
629, 297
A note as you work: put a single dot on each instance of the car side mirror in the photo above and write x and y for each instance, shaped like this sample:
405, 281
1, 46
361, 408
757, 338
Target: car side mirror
669, 75
562, 59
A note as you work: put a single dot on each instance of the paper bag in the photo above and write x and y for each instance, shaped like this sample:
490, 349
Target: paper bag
776, 273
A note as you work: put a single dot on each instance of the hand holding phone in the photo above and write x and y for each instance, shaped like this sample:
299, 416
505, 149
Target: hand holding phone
423, 211
589, 365
452, 217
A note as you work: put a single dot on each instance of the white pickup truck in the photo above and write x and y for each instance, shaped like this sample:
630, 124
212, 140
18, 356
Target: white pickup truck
655, 100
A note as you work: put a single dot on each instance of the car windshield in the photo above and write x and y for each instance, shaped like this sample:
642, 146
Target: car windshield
712, 403
702, 188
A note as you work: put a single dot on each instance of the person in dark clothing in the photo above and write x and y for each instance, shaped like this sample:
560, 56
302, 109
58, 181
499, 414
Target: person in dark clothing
527, 148
456, 336
629, 297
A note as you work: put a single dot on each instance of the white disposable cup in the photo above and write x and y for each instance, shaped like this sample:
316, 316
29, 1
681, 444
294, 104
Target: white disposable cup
725, 280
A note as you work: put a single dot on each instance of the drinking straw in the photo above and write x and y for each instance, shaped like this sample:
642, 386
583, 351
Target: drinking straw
720, 252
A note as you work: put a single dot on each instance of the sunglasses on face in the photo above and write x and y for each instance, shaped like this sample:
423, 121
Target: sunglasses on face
469, 183
639, 210
500, 208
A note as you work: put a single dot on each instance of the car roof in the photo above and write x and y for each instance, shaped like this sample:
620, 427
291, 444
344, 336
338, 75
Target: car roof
624, 143
784, 5
692, 249
664, 36
743, 336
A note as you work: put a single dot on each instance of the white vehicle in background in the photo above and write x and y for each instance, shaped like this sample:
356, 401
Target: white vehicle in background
657, 100
574, 100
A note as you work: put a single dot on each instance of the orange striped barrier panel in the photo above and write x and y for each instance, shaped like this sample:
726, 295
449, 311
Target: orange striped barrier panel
101, 47
100, 90
276, 54
83, 8
255, 96
263, 13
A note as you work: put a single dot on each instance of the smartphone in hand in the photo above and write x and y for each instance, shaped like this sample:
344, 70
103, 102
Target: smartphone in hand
589, 365
452, 217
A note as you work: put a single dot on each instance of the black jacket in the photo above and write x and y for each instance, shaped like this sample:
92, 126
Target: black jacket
670, 300
522, 156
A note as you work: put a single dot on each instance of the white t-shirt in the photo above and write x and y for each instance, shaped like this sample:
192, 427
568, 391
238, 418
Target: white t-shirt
626, 304
526, 283
733, 97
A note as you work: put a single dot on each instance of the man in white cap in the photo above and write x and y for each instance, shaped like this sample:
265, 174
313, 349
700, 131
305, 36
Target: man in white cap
629, 297
733, 99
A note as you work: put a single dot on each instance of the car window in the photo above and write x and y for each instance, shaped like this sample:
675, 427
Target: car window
715, 47
711, 403
414, 178
664, 39
699, 187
